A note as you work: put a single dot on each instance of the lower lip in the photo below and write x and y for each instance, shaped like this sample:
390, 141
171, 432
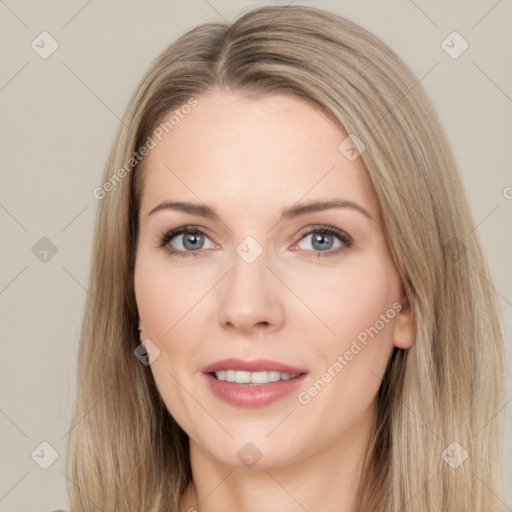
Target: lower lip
243, 395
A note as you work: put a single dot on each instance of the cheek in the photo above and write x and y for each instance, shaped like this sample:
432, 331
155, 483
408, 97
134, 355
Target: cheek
163, 307
360, 307
169, 304
155, 300
349, 299
165, 295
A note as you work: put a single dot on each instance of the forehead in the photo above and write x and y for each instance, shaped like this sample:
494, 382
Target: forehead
234, 150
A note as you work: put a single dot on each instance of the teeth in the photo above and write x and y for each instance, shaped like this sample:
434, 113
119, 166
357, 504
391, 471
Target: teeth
253, 378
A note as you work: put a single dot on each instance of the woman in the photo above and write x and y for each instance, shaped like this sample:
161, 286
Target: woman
288, 307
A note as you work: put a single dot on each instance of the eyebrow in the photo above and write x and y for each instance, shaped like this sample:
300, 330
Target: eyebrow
286, 214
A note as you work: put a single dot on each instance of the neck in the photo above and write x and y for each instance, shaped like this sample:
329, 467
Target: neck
326, 480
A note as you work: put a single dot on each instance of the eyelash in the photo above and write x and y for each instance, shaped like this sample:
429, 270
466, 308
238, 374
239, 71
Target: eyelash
343, 237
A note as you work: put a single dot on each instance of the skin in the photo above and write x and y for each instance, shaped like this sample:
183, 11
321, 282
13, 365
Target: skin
248, 159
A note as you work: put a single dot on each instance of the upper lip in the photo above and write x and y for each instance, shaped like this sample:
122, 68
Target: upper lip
253, 365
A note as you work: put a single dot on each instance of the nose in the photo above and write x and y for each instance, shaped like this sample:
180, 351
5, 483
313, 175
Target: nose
250, 298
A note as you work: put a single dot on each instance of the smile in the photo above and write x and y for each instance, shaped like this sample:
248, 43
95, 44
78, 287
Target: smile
252, 378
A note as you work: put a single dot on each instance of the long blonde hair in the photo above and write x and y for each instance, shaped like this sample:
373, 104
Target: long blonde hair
436, 440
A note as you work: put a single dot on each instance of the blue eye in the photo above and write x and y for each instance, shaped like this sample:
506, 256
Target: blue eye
191, 241
323, 238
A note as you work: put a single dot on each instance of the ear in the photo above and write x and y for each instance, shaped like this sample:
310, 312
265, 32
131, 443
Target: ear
404, 333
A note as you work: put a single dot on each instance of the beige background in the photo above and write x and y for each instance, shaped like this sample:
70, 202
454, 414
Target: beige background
59, 117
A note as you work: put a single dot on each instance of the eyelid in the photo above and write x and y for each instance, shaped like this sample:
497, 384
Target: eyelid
345, 239
168, 235
313, 228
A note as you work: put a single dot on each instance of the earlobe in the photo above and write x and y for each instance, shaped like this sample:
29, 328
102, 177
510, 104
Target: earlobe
404, 330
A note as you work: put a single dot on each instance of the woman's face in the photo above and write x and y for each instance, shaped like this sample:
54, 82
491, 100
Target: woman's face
312, 290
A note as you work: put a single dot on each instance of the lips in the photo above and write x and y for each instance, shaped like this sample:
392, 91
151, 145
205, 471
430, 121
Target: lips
255, 365
253, 394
